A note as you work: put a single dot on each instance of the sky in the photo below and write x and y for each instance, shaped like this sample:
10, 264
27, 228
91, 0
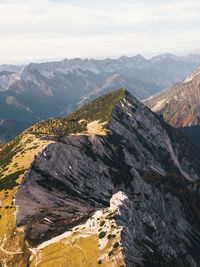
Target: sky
33, 31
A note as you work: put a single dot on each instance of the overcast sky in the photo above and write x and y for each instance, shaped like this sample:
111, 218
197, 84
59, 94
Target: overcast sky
33, 30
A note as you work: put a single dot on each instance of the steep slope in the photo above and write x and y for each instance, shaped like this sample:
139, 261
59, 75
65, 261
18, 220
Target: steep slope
180, 104
15, 159
116, 186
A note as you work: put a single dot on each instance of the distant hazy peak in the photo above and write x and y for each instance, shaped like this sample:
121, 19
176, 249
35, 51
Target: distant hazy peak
164, 57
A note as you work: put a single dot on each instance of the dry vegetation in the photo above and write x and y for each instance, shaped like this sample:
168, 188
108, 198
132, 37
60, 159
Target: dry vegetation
95, 243
79, 122
15, 159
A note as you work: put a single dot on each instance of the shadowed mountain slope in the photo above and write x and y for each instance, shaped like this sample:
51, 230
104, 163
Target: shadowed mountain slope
122, 189
51, 89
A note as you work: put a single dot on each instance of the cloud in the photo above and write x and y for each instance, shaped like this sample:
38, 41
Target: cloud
64, 28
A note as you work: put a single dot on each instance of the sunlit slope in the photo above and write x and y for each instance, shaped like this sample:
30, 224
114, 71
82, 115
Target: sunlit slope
91, 119
102, 192
180, 104
15, 159
94, 243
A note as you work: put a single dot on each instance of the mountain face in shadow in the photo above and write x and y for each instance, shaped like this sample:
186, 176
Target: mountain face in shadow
109, 184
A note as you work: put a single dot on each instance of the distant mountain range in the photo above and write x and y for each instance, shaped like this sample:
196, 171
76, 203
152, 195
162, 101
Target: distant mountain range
52, 89
10, 67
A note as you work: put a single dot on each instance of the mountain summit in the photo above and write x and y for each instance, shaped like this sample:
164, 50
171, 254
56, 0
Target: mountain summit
111, 184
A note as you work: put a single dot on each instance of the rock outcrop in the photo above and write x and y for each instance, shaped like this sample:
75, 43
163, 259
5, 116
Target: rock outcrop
179, 105
153, 165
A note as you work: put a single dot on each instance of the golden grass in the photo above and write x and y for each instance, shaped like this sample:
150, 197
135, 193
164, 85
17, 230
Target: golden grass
84, 247
94, 128
13, 249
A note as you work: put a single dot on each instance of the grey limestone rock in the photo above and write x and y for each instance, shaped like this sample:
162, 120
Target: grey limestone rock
152, 163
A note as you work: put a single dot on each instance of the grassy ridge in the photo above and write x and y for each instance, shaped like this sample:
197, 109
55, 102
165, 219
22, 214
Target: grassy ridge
99, 109
9, 182
8, 152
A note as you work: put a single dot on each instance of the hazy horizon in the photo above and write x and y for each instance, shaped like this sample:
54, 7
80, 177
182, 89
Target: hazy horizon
56, 29
146, 56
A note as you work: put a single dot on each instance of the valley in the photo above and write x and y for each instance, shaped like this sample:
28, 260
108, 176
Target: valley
54, 89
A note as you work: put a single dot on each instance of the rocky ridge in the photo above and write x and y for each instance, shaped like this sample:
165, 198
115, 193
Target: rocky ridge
179, 105
148, 167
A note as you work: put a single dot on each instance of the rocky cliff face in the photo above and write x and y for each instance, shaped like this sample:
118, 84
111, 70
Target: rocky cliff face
179, 105
151, 170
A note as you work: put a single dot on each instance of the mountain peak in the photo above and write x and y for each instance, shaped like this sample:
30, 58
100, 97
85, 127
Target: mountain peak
164, 57
91, 119
72, 195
